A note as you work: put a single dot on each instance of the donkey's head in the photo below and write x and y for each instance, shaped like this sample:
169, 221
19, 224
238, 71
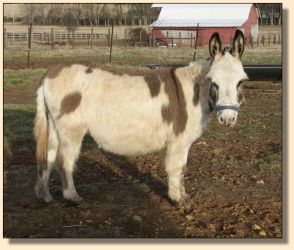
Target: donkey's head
226, 74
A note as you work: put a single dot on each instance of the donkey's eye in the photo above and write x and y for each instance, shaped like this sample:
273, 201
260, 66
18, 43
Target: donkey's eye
213, 84
214, 92
239, 84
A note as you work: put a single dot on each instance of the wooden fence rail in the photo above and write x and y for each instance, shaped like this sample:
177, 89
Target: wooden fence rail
43, 36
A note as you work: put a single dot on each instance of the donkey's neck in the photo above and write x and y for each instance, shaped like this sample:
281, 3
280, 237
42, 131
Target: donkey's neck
204, 88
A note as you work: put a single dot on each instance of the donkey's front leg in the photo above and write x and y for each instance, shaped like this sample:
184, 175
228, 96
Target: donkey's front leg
176, 159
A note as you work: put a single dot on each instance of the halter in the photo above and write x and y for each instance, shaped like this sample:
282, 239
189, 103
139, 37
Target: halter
223, 107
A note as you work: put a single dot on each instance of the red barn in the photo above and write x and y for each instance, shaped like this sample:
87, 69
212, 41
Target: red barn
178, 22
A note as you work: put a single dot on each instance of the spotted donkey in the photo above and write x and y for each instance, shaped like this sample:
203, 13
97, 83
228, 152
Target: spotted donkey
131, 113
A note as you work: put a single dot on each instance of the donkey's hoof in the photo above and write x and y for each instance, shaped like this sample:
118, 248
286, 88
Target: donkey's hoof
48, 199
75, 200
78, 200
43, 194
184, 201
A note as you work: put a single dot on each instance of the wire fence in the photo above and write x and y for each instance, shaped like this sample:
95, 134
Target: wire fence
127, 37
90, 37
82, 42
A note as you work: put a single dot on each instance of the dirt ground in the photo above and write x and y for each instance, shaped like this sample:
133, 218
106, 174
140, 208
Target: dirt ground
234, 179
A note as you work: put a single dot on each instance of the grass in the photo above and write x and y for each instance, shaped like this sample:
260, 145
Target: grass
130, 55
262, 55
18, 122
22, 76
257, 119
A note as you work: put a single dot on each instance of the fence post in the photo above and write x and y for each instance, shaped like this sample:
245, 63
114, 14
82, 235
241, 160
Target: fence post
5, 39
111, 43
191, 37
108, 37
153, 38
52, 39
180, 39
195, 44
262, 40
91, 37
125, 31
73, 38
140, 35
172, 41
29, 42
257, 41
251, 41
275, 39
269, 39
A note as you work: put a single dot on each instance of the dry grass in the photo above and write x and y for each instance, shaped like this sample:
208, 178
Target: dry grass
137, 56
270, 29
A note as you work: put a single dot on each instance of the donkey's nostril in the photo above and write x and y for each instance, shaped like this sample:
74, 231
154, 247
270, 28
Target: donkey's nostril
221, 120
233, 119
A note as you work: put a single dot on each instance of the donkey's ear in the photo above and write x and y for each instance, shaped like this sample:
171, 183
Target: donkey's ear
238, 44
215, 45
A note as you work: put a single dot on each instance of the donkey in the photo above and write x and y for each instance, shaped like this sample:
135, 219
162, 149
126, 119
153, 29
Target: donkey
131, 113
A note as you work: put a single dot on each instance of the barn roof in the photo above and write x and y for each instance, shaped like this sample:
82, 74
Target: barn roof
207, 15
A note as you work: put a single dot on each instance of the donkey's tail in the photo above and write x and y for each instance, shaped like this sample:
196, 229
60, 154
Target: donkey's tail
41, 128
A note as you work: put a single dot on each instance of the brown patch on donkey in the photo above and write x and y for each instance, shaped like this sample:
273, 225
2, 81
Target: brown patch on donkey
176, 111
70, 103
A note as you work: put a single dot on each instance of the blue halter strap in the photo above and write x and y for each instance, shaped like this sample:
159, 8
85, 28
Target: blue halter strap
223, 107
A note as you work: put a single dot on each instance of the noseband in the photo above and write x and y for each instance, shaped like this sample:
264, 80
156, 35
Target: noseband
223, 107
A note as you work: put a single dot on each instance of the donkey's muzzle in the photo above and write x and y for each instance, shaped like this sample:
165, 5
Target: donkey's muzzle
227, 117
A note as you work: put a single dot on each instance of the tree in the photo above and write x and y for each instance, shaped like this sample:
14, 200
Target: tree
120, 12
30, 11
270, 11
76, 10
97, 10
71, 23
56, 13
88, 12
141, 12
105, 11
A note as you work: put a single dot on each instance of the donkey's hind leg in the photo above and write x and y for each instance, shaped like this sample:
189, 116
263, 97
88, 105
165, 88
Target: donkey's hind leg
70, 139
44, 170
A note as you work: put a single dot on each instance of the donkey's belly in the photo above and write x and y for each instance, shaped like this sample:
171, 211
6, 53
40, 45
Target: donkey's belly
129, 130
129, 141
